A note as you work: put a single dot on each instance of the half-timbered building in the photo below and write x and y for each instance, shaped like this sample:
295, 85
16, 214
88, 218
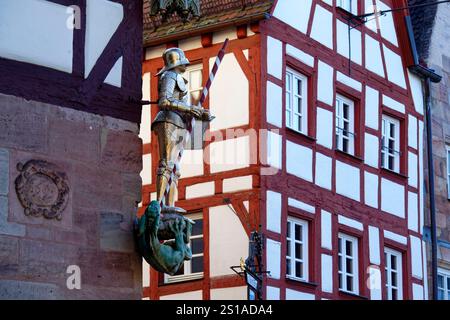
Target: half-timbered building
317, 144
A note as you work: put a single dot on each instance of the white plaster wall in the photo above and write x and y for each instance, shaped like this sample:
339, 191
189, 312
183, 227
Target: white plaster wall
200, 190
301, 205
394, 67
413, 211
222, 35
412, 169
146, 173
274, 104
237, 184
418, 293
273, 258
114, 77
324, 167
275, 57
371, 189
371, 150
372, 107
375, 283
326, 231
274, 150
300, 55
352, 83
416, 257
421, 185
236, 293
154, 52
229, 154
347, 181
273, 203
293, 12
417, 92
228, 241
327, 273
374, 245
395, 237
145, 274
342, 42
350, 223
393, 104
387, 26
322, 27
35, 31
188, 296
325, 84
100, 30
324, 134
272, 293
297, 295
191, 164
190, 43
412, 131
374, 61
146, 117
227, 104
299, 161
393, 198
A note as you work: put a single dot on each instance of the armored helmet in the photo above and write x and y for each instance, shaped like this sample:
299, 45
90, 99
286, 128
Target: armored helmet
173, 58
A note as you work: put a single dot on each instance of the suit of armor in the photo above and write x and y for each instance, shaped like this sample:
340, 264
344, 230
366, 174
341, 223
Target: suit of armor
172, 126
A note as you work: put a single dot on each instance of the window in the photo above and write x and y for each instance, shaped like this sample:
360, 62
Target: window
192, 269
390, 144
296, 101
448, 171
297, 249
394, 274
443, 284
194, 74
348, 5
348, 263
345, 124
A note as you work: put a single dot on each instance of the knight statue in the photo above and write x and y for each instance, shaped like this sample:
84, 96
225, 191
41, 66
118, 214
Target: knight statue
163, 233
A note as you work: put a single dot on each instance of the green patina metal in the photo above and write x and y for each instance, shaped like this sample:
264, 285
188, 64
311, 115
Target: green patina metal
163, 240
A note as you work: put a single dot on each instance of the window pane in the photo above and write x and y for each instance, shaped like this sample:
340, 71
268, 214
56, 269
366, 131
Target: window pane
289, 229
298, 251
440, 281
298, 232
349, 265
340, 245
349, 283
441, 294
393, 262
340, 263
349, 249
288, 248
197, 228
288, 266
346, 111
299, 269
197, 264
288, 81
394, 279
340, 281
392, 130
181, 271
394, 294
299, 87
197, 246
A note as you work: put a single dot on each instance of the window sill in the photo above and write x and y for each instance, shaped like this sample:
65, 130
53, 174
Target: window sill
394, 174
301, 282
183, 279
352, 295
348, 156
300, 134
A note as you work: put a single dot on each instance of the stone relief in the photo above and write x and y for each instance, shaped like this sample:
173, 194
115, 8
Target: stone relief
42, 189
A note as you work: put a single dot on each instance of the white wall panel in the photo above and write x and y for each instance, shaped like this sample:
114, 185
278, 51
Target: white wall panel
347, 181
393, 198
322, 27
294, 13
299, 161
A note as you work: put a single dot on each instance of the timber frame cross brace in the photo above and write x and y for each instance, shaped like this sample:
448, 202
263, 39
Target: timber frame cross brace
355, 21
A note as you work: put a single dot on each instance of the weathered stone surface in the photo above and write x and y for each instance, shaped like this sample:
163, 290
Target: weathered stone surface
39, 233
23, 126
9, 255
47, 251
74, 140
132, 185
116, 232
8, 228
12, 290
121, 151
4, 172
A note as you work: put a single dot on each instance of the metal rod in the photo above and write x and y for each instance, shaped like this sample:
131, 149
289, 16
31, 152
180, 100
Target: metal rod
434, 267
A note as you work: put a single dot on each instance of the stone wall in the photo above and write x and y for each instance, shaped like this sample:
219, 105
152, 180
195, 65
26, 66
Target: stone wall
101, 158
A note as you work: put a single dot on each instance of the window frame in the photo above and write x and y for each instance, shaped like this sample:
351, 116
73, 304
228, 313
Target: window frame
342, 267
289, 97
396, 151
305, 252
445, 273
168, 279
339, 124
352, 6
190, 69
388, 252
